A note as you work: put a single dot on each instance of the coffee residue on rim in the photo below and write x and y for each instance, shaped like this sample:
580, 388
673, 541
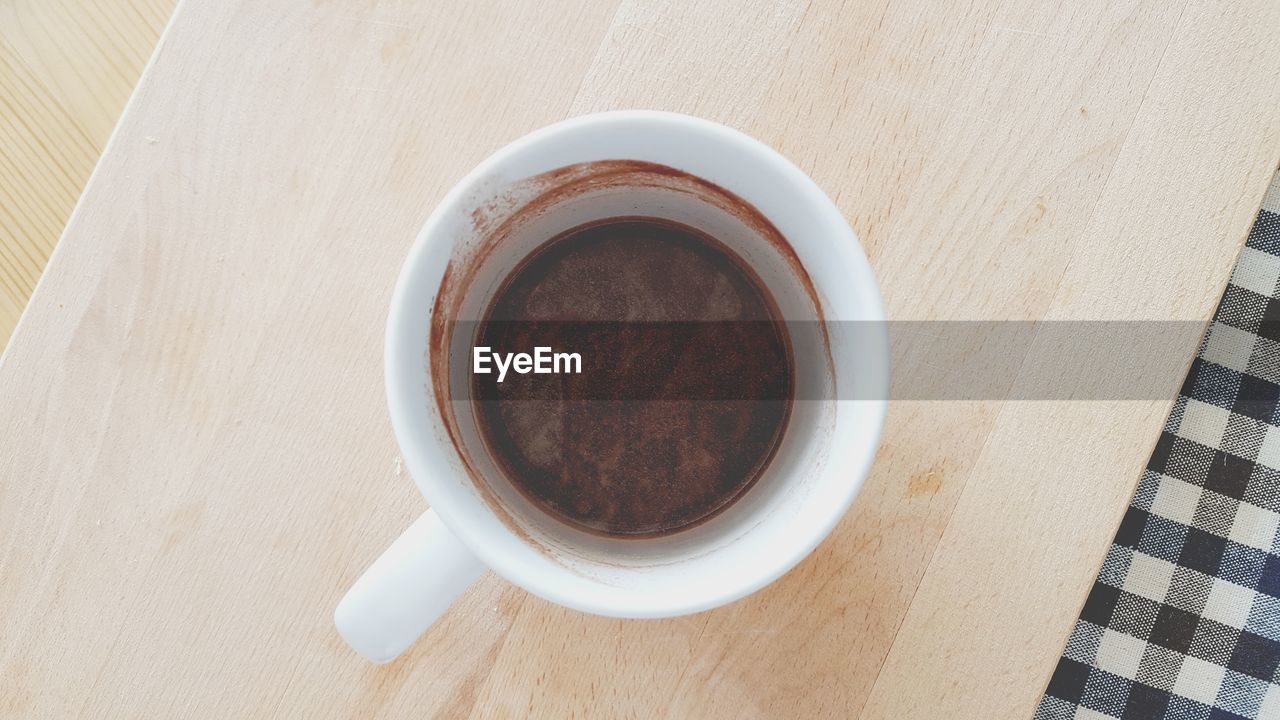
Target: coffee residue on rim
495, 221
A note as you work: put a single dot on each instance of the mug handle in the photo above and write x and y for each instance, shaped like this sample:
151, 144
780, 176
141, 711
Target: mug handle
406, 589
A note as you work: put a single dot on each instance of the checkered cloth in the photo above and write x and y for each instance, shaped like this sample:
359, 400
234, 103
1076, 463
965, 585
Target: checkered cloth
1184, 619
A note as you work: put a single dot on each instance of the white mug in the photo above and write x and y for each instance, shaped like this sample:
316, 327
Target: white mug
818, 275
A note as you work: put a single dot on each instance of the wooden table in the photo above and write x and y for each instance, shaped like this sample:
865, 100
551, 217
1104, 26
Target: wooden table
66, 70
194, 456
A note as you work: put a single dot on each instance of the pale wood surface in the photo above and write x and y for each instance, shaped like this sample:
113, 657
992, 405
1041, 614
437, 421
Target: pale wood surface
194, 455
66, 70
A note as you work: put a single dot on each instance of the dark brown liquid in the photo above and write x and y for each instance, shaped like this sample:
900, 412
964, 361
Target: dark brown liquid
686, 382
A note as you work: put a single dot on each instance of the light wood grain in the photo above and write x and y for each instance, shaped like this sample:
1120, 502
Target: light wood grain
66, 69
194, 455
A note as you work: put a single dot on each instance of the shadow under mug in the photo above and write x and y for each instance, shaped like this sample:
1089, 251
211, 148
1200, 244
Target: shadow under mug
620, 164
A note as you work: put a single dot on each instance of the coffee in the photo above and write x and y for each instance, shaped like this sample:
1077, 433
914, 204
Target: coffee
684, 388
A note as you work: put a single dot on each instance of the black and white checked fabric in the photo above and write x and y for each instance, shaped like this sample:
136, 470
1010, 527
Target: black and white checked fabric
1184, 619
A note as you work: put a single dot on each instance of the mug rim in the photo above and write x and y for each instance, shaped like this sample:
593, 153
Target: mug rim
416, 444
